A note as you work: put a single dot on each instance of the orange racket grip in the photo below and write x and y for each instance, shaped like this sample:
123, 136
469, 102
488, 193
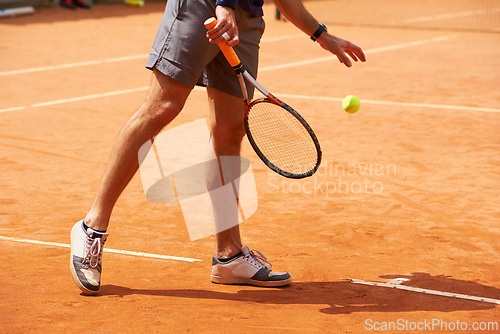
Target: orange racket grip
228, 51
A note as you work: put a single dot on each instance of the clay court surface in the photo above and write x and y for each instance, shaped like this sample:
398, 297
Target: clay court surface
408, 188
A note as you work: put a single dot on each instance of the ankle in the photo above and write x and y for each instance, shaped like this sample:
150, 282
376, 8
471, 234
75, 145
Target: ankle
95, 223
228, 259
86, 228
228, 251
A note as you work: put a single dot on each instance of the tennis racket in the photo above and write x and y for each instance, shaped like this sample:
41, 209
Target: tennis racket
278, 134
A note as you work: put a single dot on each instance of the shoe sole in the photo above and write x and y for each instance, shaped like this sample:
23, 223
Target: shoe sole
77, 280
248, 281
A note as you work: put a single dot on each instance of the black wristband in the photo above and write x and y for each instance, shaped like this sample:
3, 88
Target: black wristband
321, 29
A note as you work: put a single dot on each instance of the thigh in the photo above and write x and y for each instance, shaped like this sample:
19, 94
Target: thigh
219, 74
165, 99
181, 49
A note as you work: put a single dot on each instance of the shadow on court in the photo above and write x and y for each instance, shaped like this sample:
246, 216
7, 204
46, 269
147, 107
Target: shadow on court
343, 297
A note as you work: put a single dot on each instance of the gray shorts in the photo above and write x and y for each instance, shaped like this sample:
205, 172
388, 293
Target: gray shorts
182, 51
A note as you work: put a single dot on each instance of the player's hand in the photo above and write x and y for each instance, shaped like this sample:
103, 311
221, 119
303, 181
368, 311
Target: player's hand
342, 49
226, 28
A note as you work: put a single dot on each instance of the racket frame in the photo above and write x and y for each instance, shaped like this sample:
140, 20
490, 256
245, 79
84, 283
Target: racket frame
243, 74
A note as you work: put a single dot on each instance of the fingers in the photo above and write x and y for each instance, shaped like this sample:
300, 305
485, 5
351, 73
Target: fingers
230, 36
352, 55
233, 41
344, 60
358, 53
354, 51
342, 53
342, 48
225, 38
225, 31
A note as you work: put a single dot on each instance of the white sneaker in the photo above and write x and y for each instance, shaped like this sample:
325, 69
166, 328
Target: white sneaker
86, 256
250, 268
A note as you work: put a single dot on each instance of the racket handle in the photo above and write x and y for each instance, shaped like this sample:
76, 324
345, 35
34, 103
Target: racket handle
228, 51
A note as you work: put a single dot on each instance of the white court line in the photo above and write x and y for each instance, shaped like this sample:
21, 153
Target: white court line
71, 65
106, 250
367, 52
390, 103
89, 97
282, 95
264, 40
446, 16
427, 291
80, 98
294, 64
13, 109
116, 59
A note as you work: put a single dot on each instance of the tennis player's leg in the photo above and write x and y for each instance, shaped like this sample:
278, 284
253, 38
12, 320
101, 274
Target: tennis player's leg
227, 128
165, 100
234, 263
227, 112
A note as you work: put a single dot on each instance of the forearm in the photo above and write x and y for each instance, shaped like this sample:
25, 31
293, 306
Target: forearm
296, 13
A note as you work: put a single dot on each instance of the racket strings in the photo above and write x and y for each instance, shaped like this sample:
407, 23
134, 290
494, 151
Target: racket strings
282, 138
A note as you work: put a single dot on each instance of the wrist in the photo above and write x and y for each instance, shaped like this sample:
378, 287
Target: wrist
321, 29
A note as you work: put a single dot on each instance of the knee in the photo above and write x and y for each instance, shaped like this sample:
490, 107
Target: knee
159, 113
165, 111
228, 134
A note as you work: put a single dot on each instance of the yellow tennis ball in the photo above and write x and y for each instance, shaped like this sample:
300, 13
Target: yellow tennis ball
136, 3
351, 104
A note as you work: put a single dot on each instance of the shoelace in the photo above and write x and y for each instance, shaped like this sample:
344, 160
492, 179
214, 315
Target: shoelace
259, 259
93, 251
